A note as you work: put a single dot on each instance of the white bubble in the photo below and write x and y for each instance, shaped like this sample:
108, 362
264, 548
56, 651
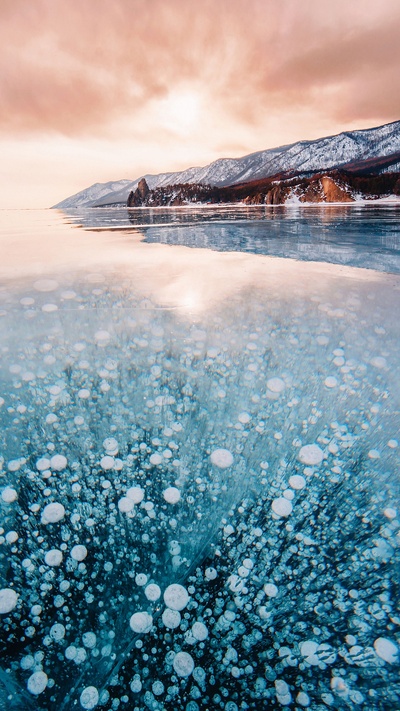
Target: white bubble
308, 648
136, 494
210, 573
199, 631
89, 640
45, 285
378, 362
111, 446
107, 463
53, 513
136, 684
297, 482
176, 597
275, 385
390, 513
89, 697
58, 462
141, 622
311, 454
49, 308
102, 337
244, 418
183, 664
79, 553
303, 699
155, 459
43, 464
8, 600
222, 458
125, 504
152, 592
281, 506
172, 495
171, 618
270, 589
386, 650
53, 557
9, 495
37, 683
330, 382
141, 579
374, 454
12, 536
57, 632
157, 688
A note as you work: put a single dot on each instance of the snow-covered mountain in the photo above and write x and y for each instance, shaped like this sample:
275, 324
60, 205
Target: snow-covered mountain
301, 157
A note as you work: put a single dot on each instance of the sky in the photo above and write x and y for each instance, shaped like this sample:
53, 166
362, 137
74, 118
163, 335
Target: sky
100, 90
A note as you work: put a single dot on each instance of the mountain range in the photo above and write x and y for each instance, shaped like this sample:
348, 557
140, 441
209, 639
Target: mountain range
374, 151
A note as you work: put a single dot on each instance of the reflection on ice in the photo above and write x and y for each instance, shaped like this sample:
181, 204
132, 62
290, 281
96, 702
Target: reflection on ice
365, 235
199, 514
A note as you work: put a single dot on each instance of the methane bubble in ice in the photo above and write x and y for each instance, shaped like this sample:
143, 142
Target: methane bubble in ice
136, 494
89, 697
58, 462
141, 579
171, 618
141, 622
45, 285
125, 504
378, 362
79, 553
53, 557
199, 631
37, 683
8, 600
281, 506
9, 495
270, 590
152, 592
386, 650
275, 385
42, 464
311, 455
107, 462
53, 513
297, 481
156, 459
183, 664
330, 381
172, 495
222, 458
176, 597
111, 446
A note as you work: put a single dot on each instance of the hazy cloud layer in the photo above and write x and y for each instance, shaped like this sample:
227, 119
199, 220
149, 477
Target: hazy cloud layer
78, 67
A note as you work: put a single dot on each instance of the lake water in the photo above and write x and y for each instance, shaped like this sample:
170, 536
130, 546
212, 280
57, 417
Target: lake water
199, 487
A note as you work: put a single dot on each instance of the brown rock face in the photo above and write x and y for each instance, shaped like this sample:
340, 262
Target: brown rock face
334, 192
142, 188
137, 198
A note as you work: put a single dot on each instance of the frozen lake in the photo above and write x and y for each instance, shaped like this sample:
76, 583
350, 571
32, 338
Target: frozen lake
200, 466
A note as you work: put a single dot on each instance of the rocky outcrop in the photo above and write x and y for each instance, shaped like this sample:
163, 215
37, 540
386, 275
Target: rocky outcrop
333, 192
137, 198
328, 187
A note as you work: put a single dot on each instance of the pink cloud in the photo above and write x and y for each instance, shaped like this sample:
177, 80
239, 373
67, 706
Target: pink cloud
76, 67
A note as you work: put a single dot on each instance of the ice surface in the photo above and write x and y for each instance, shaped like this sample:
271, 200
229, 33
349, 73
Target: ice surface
186, 536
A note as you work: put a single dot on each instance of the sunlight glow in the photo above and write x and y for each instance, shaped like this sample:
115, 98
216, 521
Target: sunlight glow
180, 111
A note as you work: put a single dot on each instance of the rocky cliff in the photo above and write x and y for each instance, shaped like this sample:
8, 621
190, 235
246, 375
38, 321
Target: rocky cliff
328, 187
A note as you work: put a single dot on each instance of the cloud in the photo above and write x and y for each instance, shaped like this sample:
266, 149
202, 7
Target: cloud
78, 68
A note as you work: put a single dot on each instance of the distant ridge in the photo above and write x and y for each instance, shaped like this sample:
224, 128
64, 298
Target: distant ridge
379, 145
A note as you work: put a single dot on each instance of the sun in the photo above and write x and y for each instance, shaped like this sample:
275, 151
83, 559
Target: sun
180, 111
